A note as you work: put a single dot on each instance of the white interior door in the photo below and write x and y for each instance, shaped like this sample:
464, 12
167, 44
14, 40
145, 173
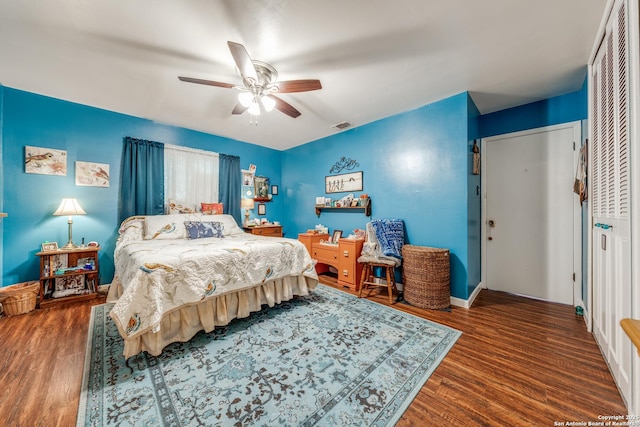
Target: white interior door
529, 212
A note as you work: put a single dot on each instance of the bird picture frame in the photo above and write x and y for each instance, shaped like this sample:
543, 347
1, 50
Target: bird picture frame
92, 174
45, 161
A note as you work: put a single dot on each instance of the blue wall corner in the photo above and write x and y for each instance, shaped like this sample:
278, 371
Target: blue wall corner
565, 108
92, 135
1, 183
474, 202
414, 168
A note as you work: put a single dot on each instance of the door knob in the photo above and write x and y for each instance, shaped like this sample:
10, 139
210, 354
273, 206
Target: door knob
492, 223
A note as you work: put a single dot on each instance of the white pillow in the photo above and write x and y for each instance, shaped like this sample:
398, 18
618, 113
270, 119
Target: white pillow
229, 225
163, 227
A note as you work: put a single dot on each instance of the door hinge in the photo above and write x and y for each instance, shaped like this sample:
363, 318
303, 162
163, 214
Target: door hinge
574, 277
574, 146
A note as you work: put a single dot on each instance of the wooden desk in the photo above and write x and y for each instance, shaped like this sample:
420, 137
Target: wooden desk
309, 239
344, 258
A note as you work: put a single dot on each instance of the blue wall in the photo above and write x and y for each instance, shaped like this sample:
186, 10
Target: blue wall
474, 203
560, 109
92, 135
566, 108
415, 168
1, 180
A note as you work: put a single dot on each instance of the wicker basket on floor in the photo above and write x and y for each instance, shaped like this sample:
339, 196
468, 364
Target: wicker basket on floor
19, 298
426, 276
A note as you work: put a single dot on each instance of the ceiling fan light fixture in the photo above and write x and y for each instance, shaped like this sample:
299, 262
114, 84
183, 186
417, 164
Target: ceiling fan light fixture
245, 99
254, 108
268, 103
260, 81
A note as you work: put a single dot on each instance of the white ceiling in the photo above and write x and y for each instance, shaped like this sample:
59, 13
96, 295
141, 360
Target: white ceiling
375, 58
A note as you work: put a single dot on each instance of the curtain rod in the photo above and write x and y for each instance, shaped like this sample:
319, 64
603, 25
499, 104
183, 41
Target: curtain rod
191, 150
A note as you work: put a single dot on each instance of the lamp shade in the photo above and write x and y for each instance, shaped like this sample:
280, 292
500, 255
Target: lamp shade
69, 207
247, 203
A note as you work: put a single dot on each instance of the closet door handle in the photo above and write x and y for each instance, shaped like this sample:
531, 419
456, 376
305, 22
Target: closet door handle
603, 226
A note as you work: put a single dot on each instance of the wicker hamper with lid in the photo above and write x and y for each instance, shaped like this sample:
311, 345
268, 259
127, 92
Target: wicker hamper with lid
19, 298
426, 276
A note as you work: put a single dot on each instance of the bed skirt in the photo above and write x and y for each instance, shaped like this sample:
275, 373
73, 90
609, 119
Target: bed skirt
182, 323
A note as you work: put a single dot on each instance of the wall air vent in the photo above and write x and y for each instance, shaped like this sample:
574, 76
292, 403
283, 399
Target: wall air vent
342, 125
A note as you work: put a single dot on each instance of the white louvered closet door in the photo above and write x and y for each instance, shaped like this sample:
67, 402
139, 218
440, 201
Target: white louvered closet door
611, 244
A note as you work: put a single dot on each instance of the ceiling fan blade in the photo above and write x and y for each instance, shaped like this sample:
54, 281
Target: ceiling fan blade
239, 109
206, 82
285, 107
243, 61
297, 86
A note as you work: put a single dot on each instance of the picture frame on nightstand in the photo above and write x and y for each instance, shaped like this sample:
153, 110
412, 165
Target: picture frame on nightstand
49, 246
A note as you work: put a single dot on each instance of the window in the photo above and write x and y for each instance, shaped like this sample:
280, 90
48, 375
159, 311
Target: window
190, 176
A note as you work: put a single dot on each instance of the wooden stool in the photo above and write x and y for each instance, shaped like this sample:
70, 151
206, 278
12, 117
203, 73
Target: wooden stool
367, 278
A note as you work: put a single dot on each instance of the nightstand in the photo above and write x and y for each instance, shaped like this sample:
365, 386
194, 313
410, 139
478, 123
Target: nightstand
268, 230
63, 280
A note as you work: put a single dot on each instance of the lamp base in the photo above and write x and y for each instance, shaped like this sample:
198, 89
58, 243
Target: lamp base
69, 245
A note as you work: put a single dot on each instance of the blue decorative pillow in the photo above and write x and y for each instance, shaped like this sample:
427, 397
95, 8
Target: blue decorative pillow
390, 234
199, 230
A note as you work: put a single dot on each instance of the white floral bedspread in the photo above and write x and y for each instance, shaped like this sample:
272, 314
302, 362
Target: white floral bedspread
158, 276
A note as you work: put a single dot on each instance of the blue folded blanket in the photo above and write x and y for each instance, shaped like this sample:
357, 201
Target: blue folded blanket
390, 235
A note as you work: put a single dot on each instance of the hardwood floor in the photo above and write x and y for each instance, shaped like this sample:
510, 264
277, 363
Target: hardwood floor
519, 362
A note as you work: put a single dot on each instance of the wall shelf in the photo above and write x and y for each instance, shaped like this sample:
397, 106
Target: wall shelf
366, 208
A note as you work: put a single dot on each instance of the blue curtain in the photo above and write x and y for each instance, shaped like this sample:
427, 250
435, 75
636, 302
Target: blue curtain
142, 184
230, 189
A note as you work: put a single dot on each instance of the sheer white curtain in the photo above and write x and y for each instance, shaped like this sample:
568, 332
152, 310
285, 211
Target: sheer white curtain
190, 176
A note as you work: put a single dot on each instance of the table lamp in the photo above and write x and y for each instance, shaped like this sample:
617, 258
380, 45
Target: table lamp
69, 207
246, 204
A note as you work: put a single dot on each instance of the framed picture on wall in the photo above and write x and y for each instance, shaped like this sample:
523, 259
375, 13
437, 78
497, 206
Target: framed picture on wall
45, 161
274, 190
92, 174
262, 209
343, 183
261, 188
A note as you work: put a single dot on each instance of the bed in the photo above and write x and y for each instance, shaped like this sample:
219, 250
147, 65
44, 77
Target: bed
178, 274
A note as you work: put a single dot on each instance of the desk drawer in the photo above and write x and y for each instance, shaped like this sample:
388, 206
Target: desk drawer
325, 255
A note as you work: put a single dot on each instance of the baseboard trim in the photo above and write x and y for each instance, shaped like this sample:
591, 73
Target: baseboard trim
586, 316
467, 303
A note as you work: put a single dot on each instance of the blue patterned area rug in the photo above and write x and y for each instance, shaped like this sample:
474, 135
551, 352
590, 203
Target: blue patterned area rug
325, 359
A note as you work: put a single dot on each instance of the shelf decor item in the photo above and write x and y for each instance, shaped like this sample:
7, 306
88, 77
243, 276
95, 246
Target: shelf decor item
49, 246
69, 207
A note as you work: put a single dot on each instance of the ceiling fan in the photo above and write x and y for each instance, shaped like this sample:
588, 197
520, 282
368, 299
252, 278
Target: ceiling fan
259, 85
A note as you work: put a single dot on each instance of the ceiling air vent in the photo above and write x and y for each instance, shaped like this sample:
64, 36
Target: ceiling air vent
342, 125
